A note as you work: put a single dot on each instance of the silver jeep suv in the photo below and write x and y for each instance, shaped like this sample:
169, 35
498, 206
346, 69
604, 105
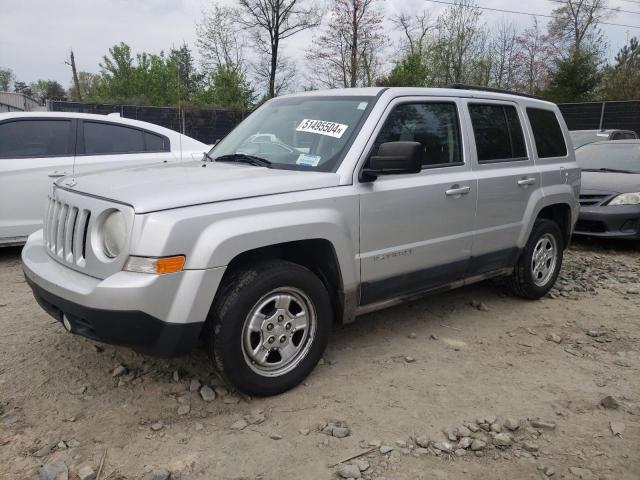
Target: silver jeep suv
319, 207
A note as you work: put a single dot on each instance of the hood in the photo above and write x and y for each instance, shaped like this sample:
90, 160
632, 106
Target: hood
171, 185
610, 182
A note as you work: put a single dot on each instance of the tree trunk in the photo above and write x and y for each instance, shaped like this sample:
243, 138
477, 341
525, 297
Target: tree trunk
354, 48
76, 82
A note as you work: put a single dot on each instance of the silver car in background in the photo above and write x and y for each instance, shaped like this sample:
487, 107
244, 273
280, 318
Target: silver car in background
38, 147
580, 138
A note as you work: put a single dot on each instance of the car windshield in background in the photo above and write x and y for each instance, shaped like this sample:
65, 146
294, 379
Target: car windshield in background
610, 156
304, 133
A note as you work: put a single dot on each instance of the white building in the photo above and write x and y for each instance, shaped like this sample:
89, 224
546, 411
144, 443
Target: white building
18, 102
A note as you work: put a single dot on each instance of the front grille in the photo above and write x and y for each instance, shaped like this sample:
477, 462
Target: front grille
590, 226
65, 231
590, 200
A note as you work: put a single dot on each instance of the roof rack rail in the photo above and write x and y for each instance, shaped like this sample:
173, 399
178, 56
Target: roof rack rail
462, 86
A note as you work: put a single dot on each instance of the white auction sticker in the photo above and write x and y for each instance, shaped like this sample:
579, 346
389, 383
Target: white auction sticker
321, 127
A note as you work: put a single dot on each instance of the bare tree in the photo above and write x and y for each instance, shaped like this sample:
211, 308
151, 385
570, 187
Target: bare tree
460, 43
219, 41
415, 29
347, 52
272, 21
576, 21
534, 57
72, 63
504, 53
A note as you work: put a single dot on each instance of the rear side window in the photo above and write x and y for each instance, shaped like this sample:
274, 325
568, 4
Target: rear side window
104, 138
35, 138
155, 143
547, 133
497, 132
434, 125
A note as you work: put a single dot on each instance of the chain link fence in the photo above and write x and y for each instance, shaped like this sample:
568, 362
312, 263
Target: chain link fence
623, 115
204, 124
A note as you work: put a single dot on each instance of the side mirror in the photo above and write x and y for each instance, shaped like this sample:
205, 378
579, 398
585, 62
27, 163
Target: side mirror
394, 158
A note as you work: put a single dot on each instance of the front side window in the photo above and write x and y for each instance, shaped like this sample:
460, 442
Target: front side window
497, 132
546, 133
434, 125
105, 138
310, 133
35, 138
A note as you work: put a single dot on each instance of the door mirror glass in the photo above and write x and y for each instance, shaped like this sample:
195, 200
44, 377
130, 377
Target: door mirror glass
394, 158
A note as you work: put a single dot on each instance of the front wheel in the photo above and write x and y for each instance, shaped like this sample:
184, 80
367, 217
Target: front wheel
539, 264
269, 327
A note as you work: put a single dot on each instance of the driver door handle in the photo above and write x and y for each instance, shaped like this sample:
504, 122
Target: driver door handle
523, 182
457, 190
57, 174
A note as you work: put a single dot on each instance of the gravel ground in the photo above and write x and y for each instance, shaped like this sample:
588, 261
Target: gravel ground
468, 384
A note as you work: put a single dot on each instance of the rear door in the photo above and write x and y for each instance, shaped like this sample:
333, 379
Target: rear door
33, 153
507, 177
107, 145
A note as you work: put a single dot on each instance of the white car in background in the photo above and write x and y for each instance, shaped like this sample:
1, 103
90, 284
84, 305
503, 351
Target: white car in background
38, 147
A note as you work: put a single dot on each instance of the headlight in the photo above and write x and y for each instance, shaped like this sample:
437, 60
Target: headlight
114, 234
626, 199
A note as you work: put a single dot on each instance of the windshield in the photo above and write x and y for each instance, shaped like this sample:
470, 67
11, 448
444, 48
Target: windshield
301, 133
610, 155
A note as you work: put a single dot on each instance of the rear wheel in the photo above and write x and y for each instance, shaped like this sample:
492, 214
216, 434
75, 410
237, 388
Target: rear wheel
539, 264
269, 327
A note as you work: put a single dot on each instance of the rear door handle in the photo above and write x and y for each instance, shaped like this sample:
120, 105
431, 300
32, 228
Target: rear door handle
457, 190
523, 182
57, 174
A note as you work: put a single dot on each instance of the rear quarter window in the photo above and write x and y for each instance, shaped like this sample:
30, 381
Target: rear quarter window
106, 138
547, 133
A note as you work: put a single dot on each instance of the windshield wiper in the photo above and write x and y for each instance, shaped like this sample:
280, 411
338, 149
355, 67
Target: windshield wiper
244, 158
207, 156
609, 170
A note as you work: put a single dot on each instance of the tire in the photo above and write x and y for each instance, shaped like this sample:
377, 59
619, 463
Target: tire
526, 283
270, 299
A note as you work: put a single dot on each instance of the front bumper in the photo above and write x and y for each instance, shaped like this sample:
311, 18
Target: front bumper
158, 314
620, 221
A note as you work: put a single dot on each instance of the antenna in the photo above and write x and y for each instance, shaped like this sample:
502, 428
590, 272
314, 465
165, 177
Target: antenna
180, 112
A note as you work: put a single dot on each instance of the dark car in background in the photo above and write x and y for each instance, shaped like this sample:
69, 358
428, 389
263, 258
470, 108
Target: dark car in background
610, 192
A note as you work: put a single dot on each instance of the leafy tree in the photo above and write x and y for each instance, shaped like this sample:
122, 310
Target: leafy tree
229, 88
622, 80
22, 87
47, 90
88, 83
409, 72
6, 77
575, 78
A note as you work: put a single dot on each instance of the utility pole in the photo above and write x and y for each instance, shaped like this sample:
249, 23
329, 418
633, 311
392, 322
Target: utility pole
72, 63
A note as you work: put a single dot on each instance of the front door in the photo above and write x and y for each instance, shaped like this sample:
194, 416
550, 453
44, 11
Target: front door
416, 230
33, 153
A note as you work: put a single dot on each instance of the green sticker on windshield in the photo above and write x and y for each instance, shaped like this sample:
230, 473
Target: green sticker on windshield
308, 160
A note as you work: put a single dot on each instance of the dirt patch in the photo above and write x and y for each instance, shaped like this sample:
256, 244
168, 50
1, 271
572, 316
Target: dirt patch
400, 391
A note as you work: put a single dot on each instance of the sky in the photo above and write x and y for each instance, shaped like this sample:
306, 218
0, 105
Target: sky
36, 35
